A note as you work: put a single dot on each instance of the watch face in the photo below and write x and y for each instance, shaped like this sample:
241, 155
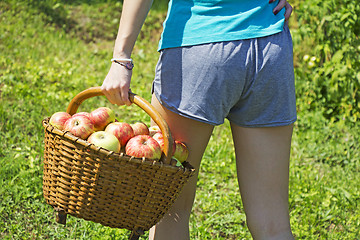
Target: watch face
129, 65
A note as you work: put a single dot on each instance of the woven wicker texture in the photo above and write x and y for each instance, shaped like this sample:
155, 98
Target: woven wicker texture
112, 189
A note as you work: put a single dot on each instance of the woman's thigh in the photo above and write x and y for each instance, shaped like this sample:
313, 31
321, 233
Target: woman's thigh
196, 135
263, 173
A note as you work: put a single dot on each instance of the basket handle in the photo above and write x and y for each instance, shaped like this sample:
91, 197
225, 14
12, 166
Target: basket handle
140, 102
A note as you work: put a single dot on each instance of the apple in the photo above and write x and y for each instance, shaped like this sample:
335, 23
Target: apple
121, 130
58, 119
80, 126
181, 151
140, 128
143, 146
101, 117
178, 164
160, 139
82, 113
105, 140
154, 129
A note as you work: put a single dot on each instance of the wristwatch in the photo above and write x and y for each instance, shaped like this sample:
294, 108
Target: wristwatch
128, 65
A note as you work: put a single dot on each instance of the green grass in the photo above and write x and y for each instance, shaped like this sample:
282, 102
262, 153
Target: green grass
49, 51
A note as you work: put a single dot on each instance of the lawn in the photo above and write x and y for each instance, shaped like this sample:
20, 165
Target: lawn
51, 50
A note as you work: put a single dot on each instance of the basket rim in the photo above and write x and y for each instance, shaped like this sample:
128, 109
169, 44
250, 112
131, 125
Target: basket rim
66, 134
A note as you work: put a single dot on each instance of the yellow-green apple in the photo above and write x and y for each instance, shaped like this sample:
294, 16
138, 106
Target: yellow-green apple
82, 113
105, 140
179, 164
80, 126
160, 139
143, 146
181, 151
140, 128
154, 129
121, 130
101, 117
58, 119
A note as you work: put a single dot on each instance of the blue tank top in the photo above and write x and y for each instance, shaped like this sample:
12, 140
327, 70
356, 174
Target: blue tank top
193, 22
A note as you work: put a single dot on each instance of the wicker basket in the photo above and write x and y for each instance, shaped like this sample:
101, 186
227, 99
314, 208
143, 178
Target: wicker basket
112, 189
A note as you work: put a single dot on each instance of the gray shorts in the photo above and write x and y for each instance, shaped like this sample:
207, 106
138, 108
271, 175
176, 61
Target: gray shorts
250, 82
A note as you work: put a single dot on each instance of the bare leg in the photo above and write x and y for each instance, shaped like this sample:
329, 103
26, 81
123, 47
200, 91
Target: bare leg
196, 135
263, 173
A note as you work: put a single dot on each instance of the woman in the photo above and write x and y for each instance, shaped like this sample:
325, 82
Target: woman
221, 59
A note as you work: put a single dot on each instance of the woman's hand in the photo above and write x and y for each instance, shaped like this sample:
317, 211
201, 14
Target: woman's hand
283, 4
116, 85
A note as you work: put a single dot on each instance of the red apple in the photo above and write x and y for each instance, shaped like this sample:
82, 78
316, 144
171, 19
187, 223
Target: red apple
82, 113
181, 151
160, 139
79, 126
58, 119
105, 140
121, 130
101, 117
143, 146
140, 128
154, 129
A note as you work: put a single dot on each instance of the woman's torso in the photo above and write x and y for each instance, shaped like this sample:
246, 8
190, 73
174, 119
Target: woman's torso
193, 22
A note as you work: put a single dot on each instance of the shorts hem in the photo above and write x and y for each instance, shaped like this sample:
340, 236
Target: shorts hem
183, 114
272, 124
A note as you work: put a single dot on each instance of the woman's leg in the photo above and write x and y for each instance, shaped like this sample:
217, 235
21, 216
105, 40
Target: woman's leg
196, 135
263, 173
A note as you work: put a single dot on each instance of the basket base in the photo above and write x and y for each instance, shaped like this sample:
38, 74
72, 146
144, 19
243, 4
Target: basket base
60, 215
136, 233
61, 219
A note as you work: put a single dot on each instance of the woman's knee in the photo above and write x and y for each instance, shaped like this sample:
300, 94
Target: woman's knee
269, 227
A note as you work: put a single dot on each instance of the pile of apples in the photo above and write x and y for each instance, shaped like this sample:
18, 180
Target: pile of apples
101, 128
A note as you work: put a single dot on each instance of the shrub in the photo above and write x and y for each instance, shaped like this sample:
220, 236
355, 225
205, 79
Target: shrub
328, 77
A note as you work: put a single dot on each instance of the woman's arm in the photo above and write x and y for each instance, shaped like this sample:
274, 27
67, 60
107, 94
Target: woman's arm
117, 82
281, 5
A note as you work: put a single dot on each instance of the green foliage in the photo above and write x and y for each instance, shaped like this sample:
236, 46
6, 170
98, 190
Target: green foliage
328, 77
50, 50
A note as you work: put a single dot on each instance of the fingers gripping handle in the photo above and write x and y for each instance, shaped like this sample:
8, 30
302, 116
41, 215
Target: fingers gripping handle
140, 102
